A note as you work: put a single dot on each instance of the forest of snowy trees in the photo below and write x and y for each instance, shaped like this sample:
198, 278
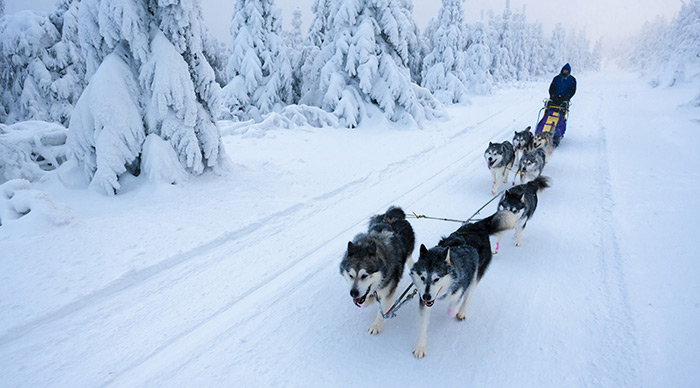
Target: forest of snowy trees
666, 51
117, 72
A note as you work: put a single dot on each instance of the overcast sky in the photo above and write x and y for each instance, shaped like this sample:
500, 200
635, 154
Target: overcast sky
610, 18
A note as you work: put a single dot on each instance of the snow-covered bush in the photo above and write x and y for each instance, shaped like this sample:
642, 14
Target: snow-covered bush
259, 65
444, 72
18, 201
365, 60
29, 148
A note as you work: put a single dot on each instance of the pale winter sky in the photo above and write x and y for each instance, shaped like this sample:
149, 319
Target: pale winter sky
613, 19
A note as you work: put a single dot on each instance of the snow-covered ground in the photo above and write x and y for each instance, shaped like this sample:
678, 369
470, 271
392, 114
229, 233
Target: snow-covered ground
233, 280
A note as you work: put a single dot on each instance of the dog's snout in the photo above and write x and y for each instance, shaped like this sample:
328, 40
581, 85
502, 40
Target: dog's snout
354, 293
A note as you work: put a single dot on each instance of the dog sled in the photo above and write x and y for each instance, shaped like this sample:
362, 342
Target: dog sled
554, 118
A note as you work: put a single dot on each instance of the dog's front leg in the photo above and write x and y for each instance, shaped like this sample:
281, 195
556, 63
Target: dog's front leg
494, 187
422, 340
519, 227
385, 301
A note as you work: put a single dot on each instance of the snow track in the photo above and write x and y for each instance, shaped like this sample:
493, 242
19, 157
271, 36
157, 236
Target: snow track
262, 304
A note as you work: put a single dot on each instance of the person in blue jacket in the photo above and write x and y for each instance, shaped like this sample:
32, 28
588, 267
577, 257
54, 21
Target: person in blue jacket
563, 86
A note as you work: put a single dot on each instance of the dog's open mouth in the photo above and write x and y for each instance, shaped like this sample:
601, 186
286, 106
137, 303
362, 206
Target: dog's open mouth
428, 303
361, 300
490, 163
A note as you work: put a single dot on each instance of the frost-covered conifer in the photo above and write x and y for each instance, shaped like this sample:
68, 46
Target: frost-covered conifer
295, 47
478, 59
444, 67
365, 60
154, 51
29, 65
259, 66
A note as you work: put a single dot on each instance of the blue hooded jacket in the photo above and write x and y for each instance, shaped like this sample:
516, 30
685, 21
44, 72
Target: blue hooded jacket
562, 87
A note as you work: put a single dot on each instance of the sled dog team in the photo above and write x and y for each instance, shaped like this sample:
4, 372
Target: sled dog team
374, 261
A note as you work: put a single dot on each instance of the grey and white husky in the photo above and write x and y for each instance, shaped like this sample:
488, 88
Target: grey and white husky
499, 159
374, 261
517, 206
452, 269
531, 165
522, 143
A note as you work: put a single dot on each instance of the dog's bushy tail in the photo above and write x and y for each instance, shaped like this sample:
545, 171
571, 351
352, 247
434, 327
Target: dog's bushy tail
498, 222
540, 183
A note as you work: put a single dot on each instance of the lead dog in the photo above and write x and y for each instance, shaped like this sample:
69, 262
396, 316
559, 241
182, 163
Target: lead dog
452, 269
374, 261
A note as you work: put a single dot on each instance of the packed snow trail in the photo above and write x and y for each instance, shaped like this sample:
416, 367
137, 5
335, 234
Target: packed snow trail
266, 306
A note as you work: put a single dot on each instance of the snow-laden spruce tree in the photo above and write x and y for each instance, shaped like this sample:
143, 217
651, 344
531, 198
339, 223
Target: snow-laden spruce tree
2, 8
364, 60
295, 46
310, 70
478, 59
444, 67
259, 66
149, 76
30, 63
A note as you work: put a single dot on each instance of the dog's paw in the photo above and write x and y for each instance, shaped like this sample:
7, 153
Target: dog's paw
419, 352
517, 243
494, 191
461, 316
376, 328
495, 251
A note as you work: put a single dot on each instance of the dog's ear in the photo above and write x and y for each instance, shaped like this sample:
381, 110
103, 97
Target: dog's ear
423, 249
372, 247
522, 198
447, 257
528, 128
490, 144
351, 248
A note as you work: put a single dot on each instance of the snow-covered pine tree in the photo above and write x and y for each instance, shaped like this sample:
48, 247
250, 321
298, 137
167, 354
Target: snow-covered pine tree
2, 8
364, 60
259, 67
310, 69
556, 49
295, 46
28, 67
478, 59
153, 51
443, 68
417, 48
320, 25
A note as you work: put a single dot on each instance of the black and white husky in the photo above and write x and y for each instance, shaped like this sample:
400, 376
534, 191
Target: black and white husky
522, 143
452, 269
517, 206
499, 159
531, 165
374, 261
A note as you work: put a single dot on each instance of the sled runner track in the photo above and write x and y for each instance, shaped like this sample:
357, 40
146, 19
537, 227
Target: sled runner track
618, 307
135, 278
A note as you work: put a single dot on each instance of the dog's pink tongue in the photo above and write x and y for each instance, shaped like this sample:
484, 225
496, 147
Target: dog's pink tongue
357, 302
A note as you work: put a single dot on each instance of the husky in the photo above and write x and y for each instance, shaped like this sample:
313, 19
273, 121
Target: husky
517, 206
531, 165
499, 159
545, 141
374, 261
452, 269
522, 143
